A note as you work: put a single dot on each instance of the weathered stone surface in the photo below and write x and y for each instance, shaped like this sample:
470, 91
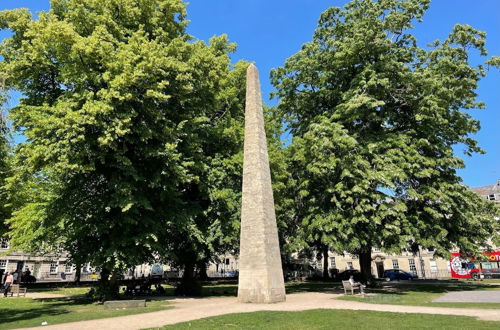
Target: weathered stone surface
260, 272
111, 304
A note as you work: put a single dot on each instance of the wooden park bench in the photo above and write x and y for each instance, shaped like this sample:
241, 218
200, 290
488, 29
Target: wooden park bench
347, 286
15, 289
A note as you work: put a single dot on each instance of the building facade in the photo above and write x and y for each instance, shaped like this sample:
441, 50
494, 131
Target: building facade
490, 192
423, 264
47, 268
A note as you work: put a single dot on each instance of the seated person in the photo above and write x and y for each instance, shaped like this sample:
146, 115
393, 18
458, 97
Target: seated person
160, 290
355, 284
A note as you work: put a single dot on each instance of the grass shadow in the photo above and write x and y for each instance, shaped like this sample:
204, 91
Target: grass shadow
21, 309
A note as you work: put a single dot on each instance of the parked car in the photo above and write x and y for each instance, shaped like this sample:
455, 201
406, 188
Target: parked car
396, 274
346, 274
230, 273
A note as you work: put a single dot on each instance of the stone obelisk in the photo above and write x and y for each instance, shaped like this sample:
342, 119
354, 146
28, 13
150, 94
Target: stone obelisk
260, 272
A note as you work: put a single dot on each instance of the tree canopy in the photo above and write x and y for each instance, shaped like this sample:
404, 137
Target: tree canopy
374, 120
134, 135
5, 157
128, 120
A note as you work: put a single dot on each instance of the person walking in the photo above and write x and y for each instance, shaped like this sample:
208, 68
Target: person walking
9, 280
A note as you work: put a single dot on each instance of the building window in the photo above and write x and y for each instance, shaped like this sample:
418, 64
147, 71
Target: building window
491, 197
68, 268
53, 267
332, 262
3, 264
4, 243
395, 264
376, 249
411, 263
433, 264
349, 265
486, 265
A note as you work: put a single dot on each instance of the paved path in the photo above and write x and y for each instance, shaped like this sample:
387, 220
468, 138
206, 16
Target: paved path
489, 296
187, 309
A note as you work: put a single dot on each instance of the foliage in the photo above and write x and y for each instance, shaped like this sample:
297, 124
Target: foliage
375, 119
5, 161
129, 124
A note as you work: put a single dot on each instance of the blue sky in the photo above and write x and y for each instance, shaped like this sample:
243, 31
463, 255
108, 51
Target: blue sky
268, 32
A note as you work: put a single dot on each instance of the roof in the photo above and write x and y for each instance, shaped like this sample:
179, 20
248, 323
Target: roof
487, 190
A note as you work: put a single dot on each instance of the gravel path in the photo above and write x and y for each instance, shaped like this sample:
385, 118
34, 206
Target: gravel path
490, 296
187, 309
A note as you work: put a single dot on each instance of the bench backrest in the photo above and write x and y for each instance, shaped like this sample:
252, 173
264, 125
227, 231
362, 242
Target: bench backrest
346, 284
14, 288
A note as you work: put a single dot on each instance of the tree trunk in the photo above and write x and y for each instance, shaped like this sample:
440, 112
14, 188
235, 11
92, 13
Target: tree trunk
188, 272
107, 288
189, 285
202, 272
365, 262
78, 273
326, 275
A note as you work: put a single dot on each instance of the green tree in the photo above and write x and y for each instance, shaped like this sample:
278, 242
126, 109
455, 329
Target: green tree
125, 116
5, 158
375, 119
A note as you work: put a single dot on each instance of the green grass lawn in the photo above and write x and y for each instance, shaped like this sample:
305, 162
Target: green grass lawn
64, 291
483, 281
336, 319
26, 312
422, 295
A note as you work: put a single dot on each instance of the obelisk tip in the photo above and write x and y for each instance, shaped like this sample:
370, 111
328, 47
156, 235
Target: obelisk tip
251, 67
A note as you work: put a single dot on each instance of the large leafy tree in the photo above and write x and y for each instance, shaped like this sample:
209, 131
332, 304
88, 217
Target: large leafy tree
5, 157
126, 118
375, 119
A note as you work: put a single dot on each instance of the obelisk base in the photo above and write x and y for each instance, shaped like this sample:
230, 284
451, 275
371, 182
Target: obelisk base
261, 296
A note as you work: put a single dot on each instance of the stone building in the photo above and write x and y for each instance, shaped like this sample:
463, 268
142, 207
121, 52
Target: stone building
424, 264
490, 192
48, 267
42, 267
